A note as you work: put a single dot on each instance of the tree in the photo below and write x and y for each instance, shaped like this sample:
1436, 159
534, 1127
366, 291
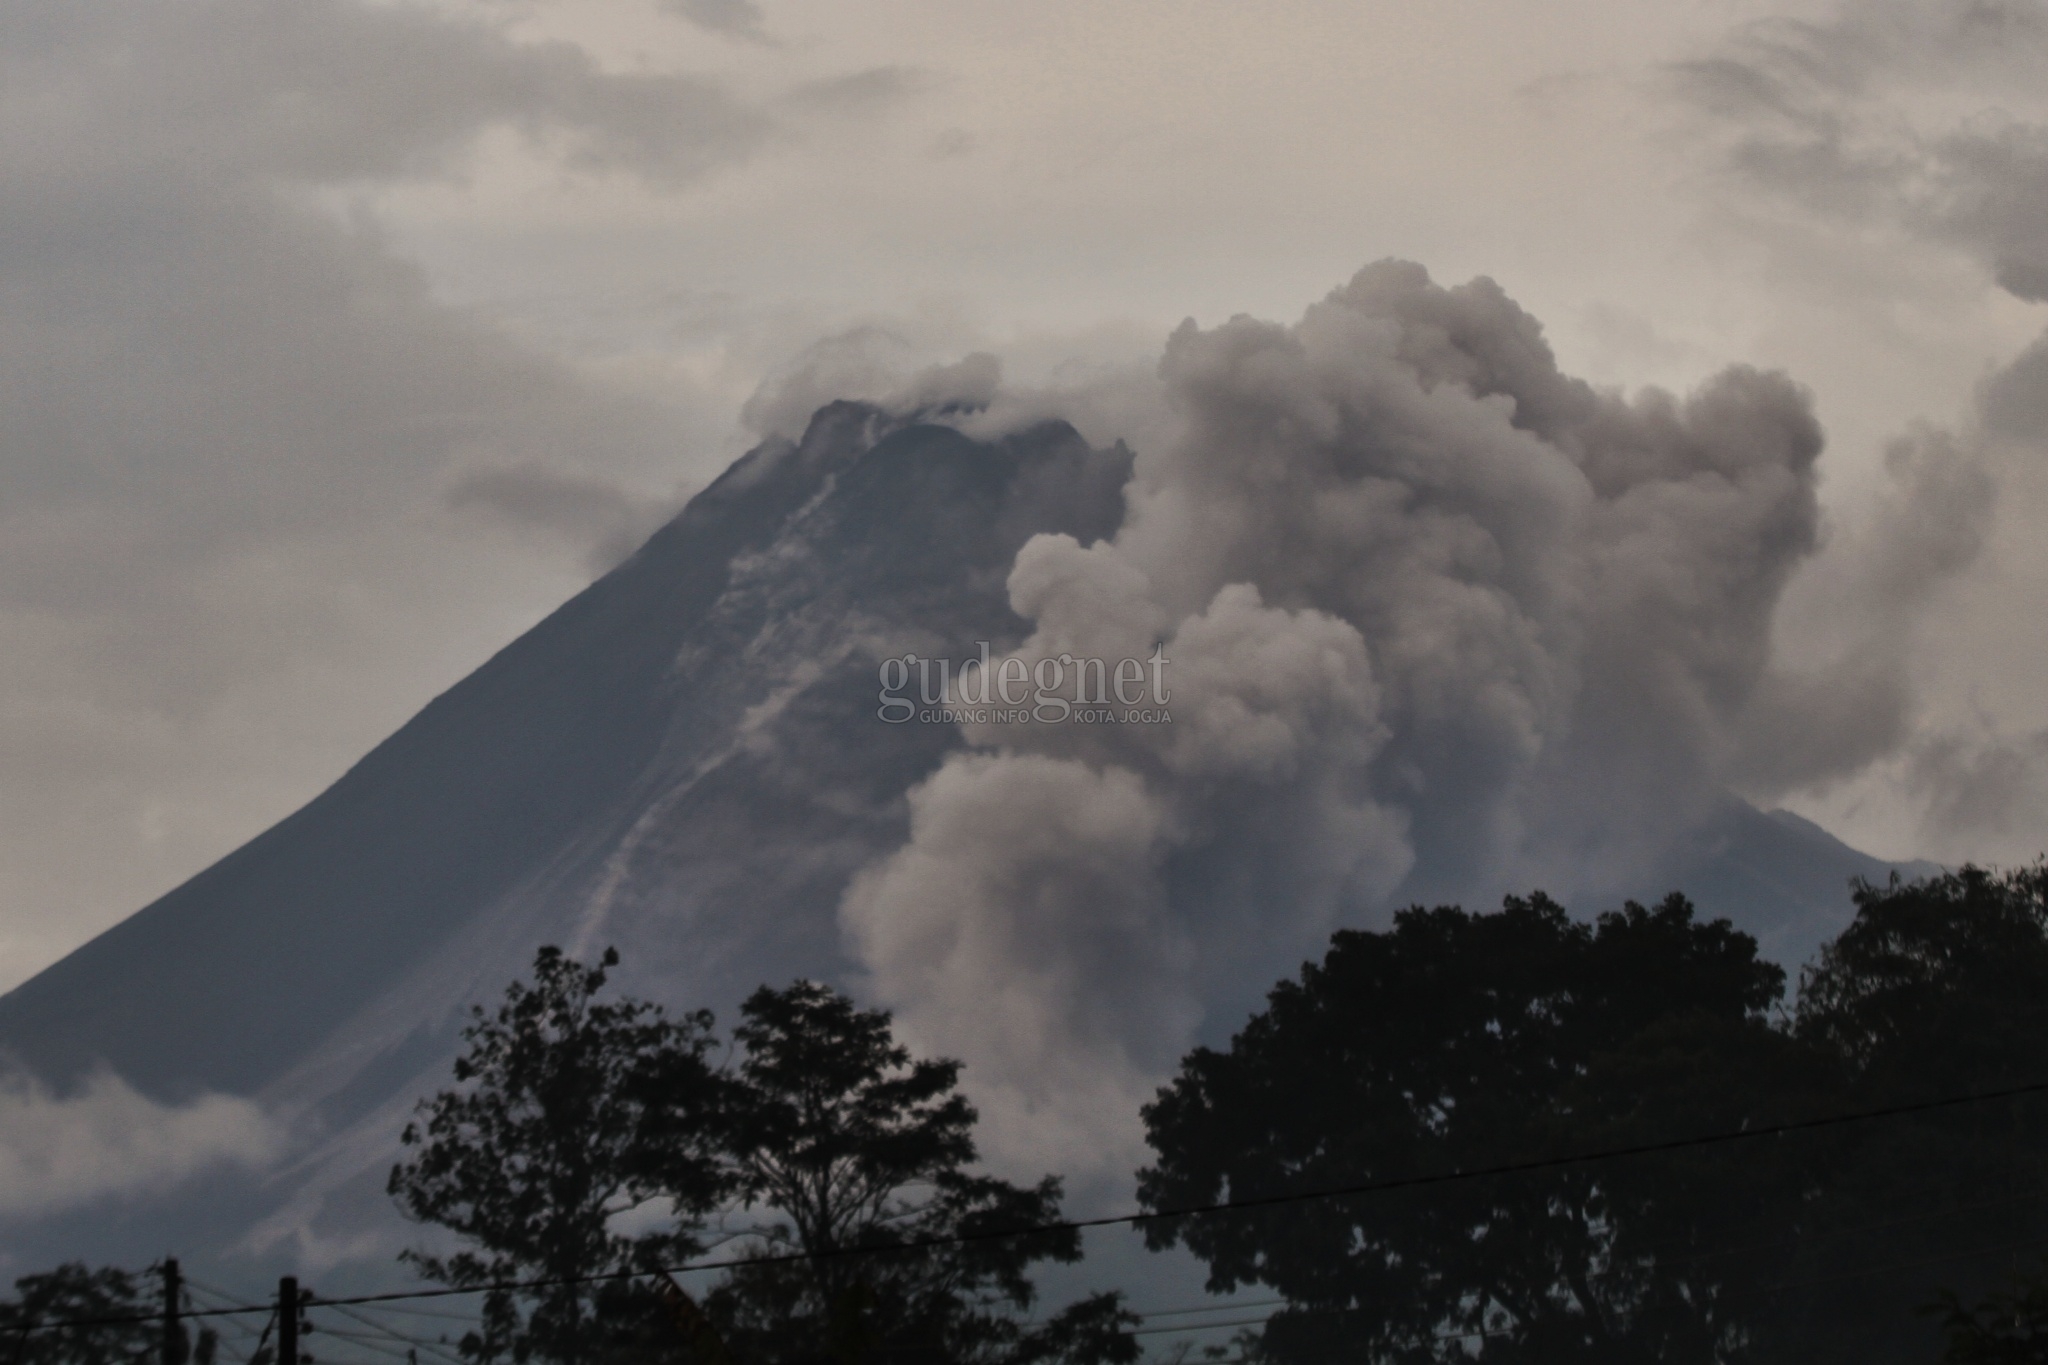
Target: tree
1456, 1042
1938, 988
570, 1112
844, 1161
860, 1154
2008, 1327
70, 1293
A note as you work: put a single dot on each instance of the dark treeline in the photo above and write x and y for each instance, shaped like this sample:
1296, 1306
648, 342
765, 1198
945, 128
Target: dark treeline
590, 1136
1456, 1041
77, 1294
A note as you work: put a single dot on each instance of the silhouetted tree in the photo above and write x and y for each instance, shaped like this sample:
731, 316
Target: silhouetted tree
841, 1159
860, 1153
70, 1293
2009, 1326
1456, 1042
1938, 988
570, 1112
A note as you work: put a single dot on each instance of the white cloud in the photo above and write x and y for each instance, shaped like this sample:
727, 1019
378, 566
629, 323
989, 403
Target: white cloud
105, 1140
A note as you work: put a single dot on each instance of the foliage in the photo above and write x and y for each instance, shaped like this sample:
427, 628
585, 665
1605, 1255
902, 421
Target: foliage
1938, 988
73, 1291
1937, 980
1456, 1042
844, 1160
2008, 1327
571, 1112
882, 1247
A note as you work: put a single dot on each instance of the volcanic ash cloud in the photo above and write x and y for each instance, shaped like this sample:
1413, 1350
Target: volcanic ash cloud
1439, 619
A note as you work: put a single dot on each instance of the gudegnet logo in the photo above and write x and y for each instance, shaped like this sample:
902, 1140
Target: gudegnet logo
1059, 689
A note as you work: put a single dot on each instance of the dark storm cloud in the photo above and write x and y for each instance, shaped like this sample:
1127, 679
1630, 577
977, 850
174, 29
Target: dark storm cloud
1853, 116
735, 18
858, 92
193, 368
229, 418
327, 91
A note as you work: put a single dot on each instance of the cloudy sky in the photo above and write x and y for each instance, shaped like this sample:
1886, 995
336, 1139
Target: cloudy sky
339, 341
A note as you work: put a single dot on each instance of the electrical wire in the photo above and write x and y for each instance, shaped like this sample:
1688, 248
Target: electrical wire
431, 1348
1310, 1312
469, 1318
200, 1293
1234, 1306
1431, 1179
365, 1340
1202, 1326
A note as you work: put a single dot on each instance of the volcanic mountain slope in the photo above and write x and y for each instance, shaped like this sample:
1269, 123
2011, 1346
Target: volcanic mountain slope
684, 761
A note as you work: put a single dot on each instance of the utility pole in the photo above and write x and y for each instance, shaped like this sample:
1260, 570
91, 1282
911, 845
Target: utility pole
288, 1320
175, 1344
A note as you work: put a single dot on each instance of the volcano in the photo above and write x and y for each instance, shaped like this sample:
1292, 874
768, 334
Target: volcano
681, 761
684, 761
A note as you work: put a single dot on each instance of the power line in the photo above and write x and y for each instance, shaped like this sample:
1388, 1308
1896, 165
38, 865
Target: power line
1228, 1306
1663, 1252
414, 1343
1310, 1311
367, 1341
1523, 1167
201, 1293
1204, 1326
1257, 1202
431, 1313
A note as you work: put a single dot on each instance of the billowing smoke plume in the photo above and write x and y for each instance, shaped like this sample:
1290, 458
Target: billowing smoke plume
1928, 117
1438, 620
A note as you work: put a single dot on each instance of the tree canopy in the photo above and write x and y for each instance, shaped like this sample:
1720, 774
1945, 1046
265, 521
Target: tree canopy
1457, 1042
569, 1112
837, 1163
879, 1242
1937, 988
75, 1292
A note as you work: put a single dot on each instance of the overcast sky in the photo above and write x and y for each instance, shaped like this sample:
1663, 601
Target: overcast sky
340, 341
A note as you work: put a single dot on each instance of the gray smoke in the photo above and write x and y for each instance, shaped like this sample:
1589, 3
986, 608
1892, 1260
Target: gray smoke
1829, 719
1441, 621
1926, 117
865, 362
1982, 787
